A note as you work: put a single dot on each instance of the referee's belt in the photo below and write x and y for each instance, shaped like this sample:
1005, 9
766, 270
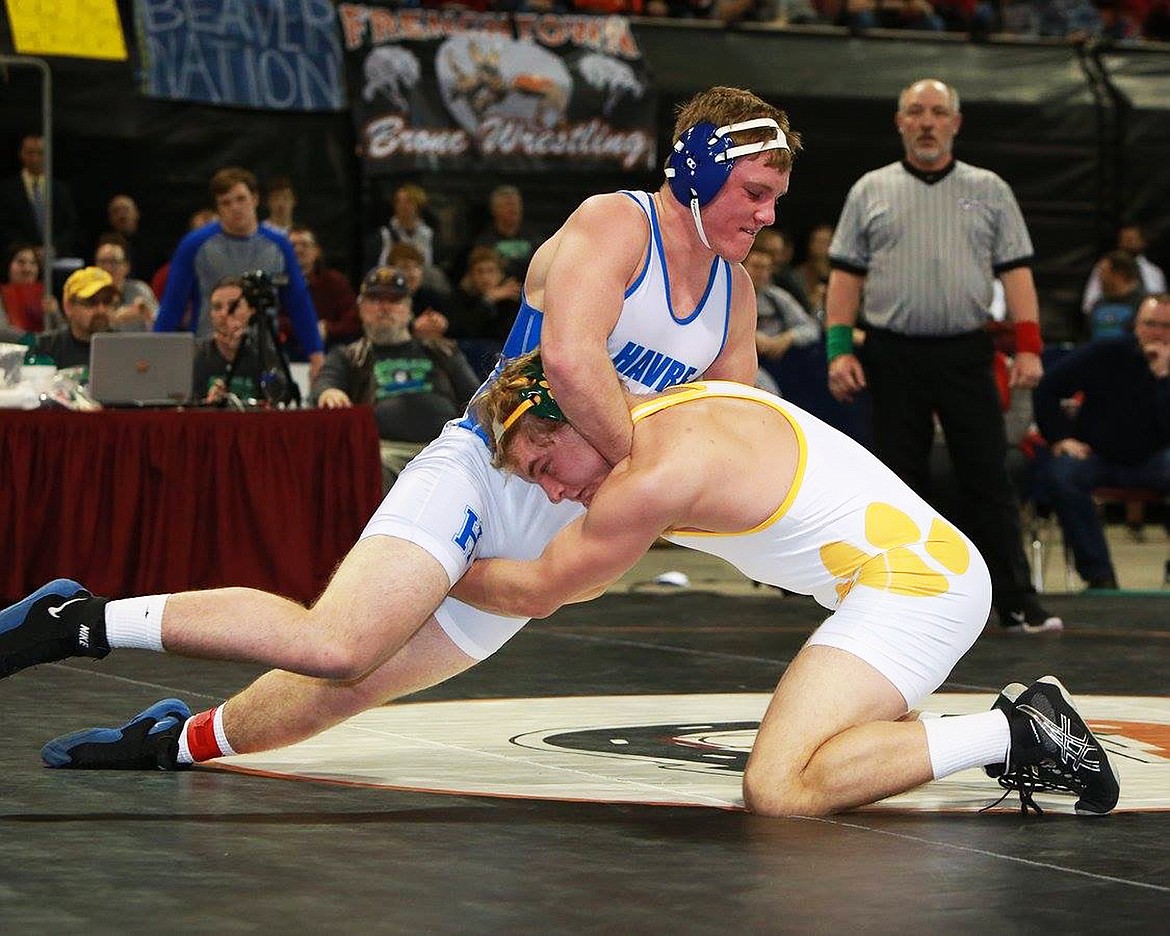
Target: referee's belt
902, 336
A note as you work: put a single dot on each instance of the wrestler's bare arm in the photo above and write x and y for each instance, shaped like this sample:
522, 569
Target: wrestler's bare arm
596, 255
629, 512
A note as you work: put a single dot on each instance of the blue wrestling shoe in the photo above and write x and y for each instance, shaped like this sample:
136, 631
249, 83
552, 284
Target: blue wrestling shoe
149, 741
1052, 749
57, 621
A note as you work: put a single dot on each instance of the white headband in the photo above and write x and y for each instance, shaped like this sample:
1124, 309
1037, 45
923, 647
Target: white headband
779, 141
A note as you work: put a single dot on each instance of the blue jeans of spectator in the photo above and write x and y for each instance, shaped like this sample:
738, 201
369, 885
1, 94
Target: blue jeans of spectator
1069, 483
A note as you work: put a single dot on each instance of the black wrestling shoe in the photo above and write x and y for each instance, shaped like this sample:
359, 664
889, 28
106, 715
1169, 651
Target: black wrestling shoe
1052, 749
57, 621
149, 741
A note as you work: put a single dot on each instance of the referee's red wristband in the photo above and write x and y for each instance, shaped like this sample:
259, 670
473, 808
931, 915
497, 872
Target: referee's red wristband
1028, 339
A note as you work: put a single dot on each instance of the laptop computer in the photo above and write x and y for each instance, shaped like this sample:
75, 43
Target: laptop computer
141, 368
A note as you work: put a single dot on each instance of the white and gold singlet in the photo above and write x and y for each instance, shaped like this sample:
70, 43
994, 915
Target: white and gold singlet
847, 522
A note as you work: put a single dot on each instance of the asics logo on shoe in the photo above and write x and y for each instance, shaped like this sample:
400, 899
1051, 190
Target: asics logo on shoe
1076, 752
56, 612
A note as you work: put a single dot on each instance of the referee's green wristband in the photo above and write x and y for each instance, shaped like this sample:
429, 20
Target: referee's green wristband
838, 341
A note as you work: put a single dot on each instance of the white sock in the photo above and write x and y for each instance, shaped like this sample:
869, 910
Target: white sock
966, 741
136, 622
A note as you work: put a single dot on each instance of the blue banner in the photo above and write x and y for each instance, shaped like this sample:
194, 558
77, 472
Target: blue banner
275, 54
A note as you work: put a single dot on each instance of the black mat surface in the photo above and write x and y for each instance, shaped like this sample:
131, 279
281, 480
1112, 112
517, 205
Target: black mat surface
213, 852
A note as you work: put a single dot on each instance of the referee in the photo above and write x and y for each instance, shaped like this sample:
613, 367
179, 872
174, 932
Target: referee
920, 241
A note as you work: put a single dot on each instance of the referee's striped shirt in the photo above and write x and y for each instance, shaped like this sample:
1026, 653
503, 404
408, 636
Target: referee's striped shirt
929, 245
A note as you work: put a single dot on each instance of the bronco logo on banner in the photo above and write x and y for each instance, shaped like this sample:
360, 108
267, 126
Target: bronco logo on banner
444, 89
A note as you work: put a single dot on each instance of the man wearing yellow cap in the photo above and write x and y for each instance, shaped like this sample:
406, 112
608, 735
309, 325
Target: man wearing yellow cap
90, 298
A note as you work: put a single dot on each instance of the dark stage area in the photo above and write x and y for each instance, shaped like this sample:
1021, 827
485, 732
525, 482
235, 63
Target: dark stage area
212, 851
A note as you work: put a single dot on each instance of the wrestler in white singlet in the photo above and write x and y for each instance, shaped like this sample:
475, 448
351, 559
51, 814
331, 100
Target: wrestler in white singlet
909, 593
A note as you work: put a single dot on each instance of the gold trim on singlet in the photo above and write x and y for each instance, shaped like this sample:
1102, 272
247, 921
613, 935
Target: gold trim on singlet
714, 389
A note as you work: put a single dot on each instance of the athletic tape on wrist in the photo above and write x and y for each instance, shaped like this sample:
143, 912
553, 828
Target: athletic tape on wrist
838, 341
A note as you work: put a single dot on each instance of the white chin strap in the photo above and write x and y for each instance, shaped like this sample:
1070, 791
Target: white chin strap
699, 222
779, 141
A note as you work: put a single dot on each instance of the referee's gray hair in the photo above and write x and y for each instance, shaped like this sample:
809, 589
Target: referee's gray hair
952, 94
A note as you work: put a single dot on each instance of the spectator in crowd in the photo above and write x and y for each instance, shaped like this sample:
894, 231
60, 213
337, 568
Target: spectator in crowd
281, 201
234, 244
333, 297
1121, 294
225, 363
1119, 435
779, 246
123, 215
507, 233
125, 219
198, 218
24, 306
781, 323
429, 305
926, 286
483, 308
407, 225
1132, 239
415, 386
814, 271
90, 298
137, 304
24, 198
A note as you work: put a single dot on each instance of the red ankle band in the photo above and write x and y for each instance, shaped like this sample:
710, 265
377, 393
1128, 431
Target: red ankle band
201, 740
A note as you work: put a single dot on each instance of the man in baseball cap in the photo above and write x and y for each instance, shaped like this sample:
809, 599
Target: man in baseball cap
415, 385
383, 282
90, 299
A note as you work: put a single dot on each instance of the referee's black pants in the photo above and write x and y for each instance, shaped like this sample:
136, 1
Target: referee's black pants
910, 380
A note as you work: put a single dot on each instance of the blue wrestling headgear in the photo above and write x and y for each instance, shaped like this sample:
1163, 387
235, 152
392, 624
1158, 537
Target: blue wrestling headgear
703, 157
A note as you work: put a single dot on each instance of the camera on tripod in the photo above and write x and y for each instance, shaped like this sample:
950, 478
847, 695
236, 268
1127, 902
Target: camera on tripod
258, 291
274, 383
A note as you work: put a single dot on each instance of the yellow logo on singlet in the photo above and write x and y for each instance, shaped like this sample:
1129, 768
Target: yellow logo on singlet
897, 567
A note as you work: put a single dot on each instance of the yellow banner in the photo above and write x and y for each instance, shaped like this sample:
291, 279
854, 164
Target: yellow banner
77, 28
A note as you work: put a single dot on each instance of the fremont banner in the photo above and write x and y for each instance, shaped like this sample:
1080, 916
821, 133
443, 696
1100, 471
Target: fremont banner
451, 89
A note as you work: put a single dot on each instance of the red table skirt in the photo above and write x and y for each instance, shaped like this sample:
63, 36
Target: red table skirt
142, 502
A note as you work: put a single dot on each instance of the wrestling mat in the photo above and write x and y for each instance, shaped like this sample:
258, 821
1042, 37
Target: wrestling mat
668, 750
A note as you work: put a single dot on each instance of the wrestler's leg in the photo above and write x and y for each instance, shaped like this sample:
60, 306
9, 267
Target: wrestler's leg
282, 708
382, 592
830, 739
